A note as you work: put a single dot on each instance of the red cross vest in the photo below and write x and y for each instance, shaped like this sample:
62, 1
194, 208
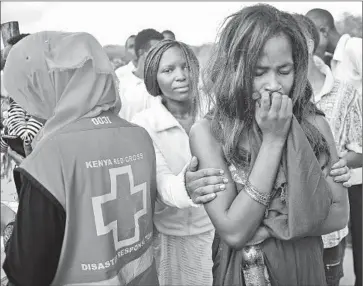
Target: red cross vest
101, 170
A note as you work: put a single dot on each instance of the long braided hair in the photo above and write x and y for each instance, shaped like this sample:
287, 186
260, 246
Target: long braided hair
152, 63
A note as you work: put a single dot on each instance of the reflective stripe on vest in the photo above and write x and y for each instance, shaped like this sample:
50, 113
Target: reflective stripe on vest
127, 273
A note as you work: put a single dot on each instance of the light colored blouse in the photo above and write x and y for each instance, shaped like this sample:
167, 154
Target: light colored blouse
175, 213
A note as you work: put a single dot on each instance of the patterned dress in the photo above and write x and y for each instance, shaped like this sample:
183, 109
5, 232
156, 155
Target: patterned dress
253, 267
294, 262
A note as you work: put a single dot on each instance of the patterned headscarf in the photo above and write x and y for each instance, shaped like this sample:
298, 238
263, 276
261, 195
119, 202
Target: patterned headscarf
61, 77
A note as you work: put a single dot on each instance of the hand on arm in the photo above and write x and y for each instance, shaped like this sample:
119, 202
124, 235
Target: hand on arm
190, 187
236, 217
353, 135
340, 173
170, 187
202, 185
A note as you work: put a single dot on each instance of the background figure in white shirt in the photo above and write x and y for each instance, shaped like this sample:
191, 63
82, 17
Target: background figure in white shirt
134, 96
130, 56
124, 73
339, 101
130, 49
346, 63
184, 242
169, 35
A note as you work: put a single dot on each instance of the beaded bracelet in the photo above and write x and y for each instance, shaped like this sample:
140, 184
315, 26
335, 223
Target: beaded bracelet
259, 197
8, 230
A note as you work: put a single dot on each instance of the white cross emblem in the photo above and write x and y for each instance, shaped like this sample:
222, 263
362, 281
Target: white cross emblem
97, 203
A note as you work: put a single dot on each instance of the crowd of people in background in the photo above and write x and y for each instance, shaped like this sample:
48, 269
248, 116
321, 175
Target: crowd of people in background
157, 173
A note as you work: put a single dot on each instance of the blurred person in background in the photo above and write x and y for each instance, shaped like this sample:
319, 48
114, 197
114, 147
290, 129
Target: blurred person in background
117, 63
185, 233
20, 125
131, 58
339, 102
134, 95
115, 55
169, 35
346, 63
19, 128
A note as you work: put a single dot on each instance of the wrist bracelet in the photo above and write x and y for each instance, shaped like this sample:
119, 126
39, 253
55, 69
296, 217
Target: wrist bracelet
8, 230
259, 197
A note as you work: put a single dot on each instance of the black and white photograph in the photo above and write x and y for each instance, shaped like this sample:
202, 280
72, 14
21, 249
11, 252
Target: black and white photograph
181, 143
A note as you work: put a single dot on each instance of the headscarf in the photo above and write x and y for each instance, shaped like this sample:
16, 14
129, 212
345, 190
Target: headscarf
61, 77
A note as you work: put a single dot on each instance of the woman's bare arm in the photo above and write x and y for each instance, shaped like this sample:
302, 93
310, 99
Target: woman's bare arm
236, 217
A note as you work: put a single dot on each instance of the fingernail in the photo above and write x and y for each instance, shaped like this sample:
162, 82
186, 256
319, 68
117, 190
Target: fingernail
225, 180
210, 197
222, 187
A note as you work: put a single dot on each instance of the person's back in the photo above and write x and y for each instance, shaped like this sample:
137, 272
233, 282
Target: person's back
88, 187
105, 182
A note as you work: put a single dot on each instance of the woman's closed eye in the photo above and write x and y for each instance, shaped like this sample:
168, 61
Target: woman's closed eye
260, 72
285, 71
